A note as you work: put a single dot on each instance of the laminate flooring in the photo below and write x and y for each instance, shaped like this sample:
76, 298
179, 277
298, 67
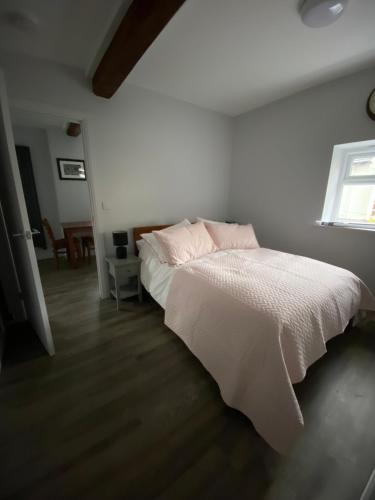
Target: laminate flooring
125, 411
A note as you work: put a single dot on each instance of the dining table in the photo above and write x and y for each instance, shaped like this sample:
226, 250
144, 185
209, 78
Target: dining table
72, 230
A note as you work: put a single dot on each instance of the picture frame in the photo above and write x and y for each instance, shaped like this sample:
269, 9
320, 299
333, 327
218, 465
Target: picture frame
71, 170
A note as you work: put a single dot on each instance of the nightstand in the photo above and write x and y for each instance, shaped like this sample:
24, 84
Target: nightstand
125, 278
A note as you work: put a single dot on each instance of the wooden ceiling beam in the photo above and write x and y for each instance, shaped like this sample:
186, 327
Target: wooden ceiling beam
142, 23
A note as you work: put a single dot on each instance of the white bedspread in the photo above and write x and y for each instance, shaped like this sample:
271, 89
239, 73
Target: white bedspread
257, 319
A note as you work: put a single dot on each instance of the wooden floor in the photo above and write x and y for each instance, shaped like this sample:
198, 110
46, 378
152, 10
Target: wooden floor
124, 411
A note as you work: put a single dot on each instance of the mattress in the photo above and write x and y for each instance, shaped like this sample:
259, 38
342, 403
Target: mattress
156, 277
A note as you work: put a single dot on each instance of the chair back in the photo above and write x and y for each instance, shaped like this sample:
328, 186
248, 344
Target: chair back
49, 231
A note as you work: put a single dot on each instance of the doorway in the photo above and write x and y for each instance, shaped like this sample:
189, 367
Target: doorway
54, 174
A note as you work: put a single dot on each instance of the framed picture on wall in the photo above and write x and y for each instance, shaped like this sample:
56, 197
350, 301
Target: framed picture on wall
71, 170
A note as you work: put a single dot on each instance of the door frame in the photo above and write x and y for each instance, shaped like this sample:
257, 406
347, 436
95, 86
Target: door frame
83, 118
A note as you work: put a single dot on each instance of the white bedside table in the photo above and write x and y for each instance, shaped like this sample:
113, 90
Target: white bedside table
125, 278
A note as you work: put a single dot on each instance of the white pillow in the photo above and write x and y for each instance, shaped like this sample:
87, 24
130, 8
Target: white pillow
200, 219
153, 242
145, 250
183, 244
140, 244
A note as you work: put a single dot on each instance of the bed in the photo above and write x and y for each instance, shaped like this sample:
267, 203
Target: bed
256, 319
155, 276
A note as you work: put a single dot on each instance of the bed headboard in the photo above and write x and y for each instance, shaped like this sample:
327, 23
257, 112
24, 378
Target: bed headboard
137, 231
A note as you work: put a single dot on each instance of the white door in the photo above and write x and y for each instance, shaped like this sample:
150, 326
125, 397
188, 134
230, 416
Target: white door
18, 226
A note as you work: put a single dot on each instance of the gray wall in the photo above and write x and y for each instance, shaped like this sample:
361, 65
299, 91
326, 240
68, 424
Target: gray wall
157, 160
72, 196
154, 159
281, 160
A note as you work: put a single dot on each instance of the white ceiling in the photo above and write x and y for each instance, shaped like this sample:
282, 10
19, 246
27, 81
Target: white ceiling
226, 55
67, 31
235, 55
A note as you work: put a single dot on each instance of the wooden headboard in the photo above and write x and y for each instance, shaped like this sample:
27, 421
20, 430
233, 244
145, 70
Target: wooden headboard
137, 231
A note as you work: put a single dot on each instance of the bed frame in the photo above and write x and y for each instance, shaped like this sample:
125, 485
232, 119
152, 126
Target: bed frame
137, 231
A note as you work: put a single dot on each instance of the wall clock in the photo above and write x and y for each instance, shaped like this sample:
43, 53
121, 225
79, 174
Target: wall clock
371, 105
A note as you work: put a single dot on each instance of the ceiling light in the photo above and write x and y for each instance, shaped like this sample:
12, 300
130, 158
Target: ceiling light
319, 13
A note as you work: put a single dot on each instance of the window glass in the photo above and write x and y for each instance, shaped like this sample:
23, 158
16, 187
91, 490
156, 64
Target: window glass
357, 203
362, 166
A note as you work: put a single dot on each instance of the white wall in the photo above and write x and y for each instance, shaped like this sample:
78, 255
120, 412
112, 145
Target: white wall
154, 159
36, 140
281, 161
72, 196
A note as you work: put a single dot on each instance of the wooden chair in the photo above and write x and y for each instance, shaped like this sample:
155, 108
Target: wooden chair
60, 246
87, 245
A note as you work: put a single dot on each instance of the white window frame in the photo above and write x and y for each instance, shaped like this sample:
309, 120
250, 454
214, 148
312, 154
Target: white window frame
339, 177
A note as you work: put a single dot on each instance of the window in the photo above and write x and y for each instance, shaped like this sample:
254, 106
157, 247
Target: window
350, 197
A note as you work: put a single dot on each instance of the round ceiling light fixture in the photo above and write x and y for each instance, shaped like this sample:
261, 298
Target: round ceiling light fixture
320, 13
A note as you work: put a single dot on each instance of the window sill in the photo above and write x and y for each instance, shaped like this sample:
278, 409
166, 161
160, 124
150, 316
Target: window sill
330, 225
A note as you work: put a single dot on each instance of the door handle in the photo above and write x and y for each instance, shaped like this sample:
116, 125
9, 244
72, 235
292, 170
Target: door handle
27, 234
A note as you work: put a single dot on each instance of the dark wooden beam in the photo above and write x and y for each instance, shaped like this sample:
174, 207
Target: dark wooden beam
142, 23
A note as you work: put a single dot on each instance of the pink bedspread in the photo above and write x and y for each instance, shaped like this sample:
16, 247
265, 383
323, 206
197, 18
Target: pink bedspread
257, 319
